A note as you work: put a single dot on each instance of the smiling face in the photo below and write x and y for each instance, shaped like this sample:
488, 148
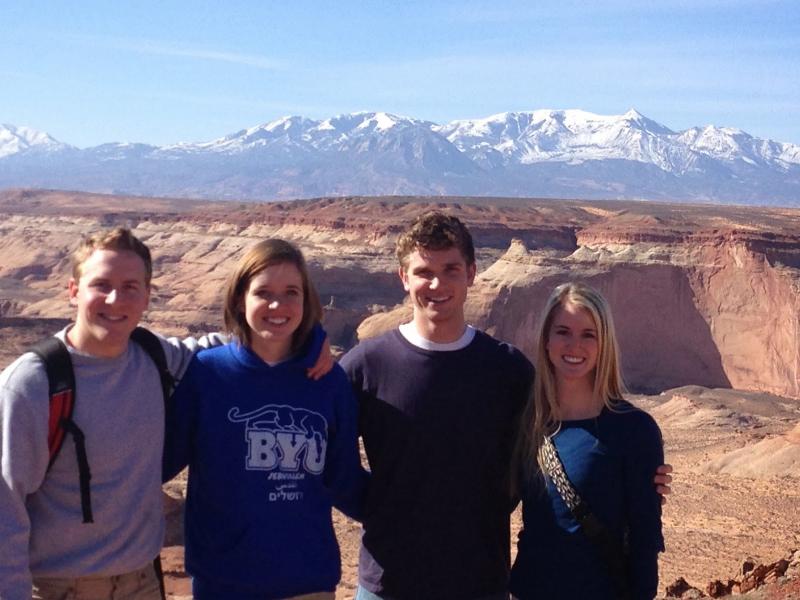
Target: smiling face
111, 295
572, 345
437, 281
273, 309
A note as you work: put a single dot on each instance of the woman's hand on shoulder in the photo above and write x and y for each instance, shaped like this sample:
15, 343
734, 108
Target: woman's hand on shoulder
324, 362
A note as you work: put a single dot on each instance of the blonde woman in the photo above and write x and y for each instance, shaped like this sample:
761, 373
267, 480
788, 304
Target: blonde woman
591, 514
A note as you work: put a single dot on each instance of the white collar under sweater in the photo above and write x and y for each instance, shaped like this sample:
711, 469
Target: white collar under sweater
408, 331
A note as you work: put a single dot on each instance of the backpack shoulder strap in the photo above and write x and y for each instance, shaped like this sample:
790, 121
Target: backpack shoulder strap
152, 346
61, 381
61, 388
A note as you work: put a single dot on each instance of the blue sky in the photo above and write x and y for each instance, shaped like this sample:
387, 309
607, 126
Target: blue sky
89, 72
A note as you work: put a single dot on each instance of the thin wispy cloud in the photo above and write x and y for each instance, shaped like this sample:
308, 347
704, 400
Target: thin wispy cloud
249, 60
166, 49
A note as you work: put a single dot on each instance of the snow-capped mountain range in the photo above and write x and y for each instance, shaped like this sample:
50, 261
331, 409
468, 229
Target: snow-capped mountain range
542, 153
16, 140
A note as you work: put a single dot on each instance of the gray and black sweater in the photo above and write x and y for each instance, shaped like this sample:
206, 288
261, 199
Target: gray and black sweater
120, 408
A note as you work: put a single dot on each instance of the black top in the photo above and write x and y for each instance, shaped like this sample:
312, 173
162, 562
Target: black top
438, 429
611, 461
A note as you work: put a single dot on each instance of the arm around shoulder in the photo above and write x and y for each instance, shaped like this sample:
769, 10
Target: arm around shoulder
353, 365
180, 422
179, 352
345, 477
644, 454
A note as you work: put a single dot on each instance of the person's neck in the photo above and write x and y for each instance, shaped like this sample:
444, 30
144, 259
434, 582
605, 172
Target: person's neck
84, 343
440, 333
577, 400
271, 353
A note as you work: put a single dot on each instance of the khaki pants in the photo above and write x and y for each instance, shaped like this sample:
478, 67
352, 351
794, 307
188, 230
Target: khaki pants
141, 584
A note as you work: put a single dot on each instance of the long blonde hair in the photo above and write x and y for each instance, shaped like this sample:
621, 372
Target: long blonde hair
540, 417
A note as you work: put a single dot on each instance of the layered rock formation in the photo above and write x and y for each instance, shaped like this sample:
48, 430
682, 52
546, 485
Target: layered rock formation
701, 295
712, 300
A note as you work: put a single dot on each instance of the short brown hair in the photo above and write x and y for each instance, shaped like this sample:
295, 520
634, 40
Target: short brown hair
118, 239
434, 230
269, 252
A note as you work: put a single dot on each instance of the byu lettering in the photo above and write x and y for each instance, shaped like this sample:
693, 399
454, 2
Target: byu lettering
284, 438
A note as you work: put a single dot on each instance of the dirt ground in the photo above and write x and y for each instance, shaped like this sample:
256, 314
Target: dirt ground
712, 521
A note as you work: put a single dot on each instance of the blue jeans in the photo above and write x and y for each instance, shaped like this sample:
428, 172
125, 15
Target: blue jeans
363, 593
205, 589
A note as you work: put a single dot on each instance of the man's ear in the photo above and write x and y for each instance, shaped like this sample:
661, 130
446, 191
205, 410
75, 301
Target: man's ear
472, 270
403, 274
72, 289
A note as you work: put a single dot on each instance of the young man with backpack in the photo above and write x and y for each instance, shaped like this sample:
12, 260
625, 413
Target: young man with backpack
81, 509
57, 539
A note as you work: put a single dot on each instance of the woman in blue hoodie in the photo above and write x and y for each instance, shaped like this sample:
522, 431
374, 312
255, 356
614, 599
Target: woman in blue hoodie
269, 450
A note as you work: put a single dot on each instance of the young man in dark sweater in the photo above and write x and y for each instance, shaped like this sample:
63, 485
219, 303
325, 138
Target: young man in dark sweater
439, 403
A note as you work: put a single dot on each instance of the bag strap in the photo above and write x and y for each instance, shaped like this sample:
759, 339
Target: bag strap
612, 553
61, 383
152, 346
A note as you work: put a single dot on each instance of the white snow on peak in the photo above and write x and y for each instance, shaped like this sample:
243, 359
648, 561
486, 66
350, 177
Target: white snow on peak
634, 115
367, 122
576, 135
731, 144
553, 135
379, 121
273, 132
299, 133
326, 126
14, 140
283, 123
509, 138
524, 137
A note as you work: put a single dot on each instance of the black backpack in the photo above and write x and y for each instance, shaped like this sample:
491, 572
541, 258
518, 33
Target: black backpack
61, 379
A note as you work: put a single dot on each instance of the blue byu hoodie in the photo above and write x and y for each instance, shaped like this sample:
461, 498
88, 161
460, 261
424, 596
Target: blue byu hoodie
269, 452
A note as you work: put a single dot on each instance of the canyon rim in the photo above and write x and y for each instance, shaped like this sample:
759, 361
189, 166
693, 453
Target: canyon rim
706, 299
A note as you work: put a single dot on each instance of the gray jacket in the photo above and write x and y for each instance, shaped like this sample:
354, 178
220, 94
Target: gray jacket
119, 406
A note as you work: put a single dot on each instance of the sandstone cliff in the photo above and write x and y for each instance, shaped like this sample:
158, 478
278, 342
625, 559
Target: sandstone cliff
702, 295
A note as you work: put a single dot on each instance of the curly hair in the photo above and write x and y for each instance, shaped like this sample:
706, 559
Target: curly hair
435, 230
